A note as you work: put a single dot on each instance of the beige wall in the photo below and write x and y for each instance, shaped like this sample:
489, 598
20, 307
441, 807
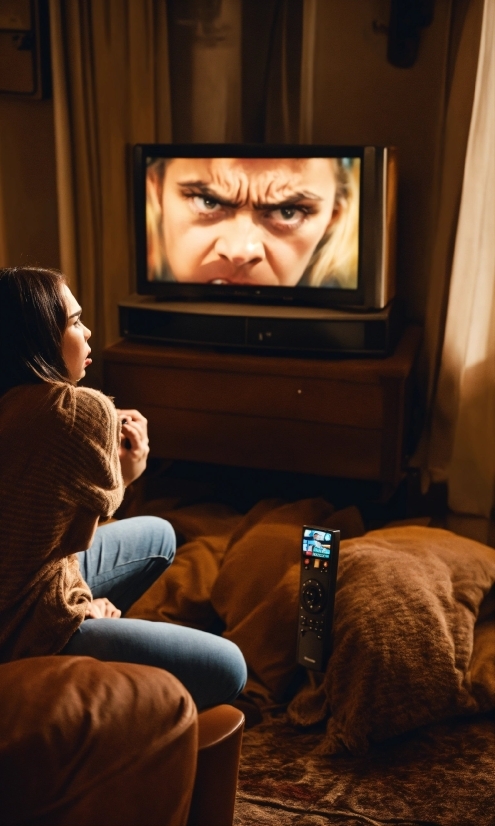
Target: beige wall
361, 99
28, 197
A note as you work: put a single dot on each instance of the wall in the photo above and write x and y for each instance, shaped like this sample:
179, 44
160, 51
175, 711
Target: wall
28, 196
360, 98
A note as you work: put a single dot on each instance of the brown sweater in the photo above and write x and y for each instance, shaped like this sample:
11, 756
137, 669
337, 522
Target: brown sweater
59, 473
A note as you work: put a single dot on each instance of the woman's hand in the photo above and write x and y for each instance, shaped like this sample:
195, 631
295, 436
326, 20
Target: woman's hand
102, 608
134, 444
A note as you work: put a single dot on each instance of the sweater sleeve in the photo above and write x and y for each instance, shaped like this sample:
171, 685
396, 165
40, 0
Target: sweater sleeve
93, 473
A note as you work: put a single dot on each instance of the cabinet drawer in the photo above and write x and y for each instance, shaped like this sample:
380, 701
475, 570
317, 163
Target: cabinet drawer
273, 444
274, 397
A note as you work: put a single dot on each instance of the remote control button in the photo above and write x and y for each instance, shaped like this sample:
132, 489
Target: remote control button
313, 596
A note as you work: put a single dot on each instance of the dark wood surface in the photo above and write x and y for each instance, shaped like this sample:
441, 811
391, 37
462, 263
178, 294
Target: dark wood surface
333, 417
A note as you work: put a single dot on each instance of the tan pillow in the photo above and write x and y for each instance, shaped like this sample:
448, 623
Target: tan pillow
182, 593
405, 612
267, 636
256, 591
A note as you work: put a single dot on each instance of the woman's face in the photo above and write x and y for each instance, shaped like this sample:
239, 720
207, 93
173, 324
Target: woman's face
75, 348
245, 220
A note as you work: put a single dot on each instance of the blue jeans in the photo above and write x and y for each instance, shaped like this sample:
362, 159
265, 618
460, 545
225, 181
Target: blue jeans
123, 561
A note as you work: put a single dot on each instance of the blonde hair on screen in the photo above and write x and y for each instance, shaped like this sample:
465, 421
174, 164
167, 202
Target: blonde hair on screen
336, 256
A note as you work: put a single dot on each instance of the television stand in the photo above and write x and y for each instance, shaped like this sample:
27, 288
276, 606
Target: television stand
262, 328
344, 418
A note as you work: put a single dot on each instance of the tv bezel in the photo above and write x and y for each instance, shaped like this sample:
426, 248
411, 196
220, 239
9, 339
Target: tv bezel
370, 229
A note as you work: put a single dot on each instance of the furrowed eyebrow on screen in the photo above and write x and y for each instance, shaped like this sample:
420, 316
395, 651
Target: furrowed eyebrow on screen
200, 188
294, 200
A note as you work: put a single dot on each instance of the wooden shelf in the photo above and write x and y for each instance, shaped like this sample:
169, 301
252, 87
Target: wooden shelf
332, 417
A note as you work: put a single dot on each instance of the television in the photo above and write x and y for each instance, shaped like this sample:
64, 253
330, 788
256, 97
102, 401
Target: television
301, 225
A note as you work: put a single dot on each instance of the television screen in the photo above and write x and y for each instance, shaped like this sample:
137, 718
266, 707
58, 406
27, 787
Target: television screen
276, 224
253, 221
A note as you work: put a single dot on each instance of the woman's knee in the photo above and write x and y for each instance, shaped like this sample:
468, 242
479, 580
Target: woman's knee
233, 665
161, 534
212, 668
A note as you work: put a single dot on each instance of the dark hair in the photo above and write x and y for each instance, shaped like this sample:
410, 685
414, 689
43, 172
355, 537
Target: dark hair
33, 319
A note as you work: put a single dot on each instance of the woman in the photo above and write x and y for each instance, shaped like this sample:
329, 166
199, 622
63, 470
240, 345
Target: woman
66, 454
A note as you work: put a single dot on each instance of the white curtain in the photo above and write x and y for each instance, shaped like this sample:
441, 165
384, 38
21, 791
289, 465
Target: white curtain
462, 440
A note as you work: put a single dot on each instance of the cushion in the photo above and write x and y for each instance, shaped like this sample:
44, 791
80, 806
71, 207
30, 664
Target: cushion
182, 593
256, 591
406, 649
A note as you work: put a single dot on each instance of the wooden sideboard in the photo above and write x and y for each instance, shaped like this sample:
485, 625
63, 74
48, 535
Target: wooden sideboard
333, 417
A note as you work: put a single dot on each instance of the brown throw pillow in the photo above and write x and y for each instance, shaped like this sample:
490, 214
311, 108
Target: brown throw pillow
405, 612
256, 591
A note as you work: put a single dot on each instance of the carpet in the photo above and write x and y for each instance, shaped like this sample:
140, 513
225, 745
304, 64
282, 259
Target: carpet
441, 775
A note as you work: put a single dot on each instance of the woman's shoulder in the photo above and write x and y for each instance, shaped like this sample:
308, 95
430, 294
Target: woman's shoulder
60, 401
84, 407
91, 399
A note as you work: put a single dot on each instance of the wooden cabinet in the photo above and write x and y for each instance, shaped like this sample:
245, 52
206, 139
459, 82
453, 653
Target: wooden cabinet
333, 417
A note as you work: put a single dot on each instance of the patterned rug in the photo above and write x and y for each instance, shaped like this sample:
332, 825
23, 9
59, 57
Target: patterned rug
443, 775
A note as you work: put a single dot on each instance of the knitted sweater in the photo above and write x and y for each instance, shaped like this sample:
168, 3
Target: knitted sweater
59, 473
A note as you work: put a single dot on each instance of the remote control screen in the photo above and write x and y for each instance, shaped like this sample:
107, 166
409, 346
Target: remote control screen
316, 543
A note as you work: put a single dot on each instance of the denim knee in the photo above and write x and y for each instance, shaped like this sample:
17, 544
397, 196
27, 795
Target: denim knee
163, 537
235, 670
212, 668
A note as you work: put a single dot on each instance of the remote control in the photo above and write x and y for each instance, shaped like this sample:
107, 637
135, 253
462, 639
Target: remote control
319, 562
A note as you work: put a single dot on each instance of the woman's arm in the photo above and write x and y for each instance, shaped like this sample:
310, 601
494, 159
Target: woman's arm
134, 444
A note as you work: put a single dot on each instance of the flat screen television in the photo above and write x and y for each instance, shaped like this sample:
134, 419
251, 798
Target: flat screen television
263, 224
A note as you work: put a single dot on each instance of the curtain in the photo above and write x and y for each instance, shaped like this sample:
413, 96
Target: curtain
236, 69
460, 83
307, 71
111, 90
282, 89
3, 239
460, 440
205, 60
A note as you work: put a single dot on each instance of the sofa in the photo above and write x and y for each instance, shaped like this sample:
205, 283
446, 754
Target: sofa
89, 743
